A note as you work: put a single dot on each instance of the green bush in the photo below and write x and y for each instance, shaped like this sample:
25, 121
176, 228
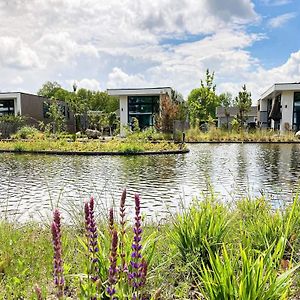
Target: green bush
205, 223
9, 124
26, 132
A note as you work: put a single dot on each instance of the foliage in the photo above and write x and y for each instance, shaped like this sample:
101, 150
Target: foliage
202, 101
26, 132
49, 89
243, 103
169, 111
204, 225
126, 146
245, 277
9, 124
239, 266
194, 134
56, 116
226, 101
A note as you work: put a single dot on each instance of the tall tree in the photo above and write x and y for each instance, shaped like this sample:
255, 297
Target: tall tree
243, 102
226, 101
49, 89
203, 101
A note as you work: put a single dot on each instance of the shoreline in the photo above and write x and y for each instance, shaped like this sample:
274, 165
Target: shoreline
94, 153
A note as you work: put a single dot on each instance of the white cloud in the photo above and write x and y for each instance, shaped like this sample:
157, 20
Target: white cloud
134, 43
279, 21
15, 53
119, 79
276, 2
90, 84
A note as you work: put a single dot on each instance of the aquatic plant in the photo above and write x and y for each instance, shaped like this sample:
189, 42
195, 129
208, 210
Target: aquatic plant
57, 260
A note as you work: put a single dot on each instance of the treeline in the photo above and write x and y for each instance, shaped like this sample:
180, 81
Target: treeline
203, 101
83, 103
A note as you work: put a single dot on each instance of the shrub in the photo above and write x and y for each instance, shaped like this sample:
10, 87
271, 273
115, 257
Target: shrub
9, 124
26, 132
205, 223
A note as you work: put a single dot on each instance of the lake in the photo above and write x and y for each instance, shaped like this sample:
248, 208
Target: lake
32, 184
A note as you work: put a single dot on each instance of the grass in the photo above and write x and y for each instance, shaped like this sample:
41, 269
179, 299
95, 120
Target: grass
116, 145
210, 250
220, 135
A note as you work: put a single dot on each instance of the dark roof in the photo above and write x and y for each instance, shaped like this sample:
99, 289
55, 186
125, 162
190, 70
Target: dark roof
144, 88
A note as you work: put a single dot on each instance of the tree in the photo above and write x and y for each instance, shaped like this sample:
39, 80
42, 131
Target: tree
202, 101
243, 103
168, 114
226, 101
56, 116
49, 89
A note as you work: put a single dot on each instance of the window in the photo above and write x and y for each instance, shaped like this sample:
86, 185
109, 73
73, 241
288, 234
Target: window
296, 114
143, 108
7, 107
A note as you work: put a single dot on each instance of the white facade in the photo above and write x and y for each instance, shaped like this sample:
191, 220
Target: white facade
276, 107
124, 94
17, 101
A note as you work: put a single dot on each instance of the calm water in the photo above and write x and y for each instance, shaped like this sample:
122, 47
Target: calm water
30, 185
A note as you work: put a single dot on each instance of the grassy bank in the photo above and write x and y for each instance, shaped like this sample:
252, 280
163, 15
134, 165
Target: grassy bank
116, 145
220, 135
208, 251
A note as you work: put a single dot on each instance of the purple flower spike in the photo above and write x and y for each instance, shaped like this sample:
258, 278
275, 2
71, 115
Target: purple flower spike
138, 266
112, 274
92, 237
111, 220
123, 231
57, 259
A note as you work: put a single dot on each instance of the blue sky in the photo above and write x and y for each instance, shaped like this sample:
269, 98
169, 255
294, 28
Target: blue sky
104, 44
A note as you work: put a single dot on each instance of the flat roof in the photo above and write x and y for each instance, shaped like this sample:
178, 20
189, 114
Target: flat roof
278, 87
138, 91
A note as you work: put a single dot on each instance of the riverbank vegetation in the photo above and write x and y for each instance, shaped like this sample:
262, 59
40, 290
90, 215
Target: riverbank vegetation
222, 135
209, 250
69, 145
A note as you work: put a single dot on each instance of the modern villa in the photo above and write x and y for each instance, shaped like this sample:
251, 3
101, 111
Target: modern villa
279, 107
33, 107
141, 103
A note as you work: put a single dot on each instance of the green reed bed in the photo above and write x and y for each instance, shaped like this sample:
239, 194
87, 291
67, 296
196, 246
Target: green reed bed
117, 145
221, 135
210, 250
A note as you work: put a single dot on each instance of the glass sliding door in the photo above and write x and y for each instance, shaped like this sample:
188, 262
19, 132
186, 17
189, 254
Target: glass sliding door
296, 114
144, 109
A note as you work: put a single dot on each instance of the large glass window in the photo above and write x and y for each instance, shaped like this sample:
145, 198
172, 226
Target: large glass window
7, 107
296, 115
143, 108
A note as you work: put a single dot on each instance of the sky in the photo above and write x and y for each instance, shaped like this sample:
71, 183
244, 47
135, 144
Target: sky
102, 44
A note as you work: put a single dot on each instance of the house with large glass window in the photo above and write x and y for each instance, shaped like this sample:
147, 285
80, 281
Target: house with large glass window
140, 103
33, 107
279, 107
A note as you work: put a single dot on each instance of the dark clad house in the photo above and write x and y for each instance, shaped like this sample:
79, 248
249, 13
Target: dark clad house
225, 116
33, 107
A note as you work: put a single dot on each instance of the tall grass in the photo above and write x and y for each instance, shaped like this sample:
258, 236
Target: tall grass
221, 135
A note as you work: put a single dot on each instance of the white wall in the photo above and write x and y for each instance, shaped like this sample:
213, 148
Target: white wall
287, 103
123, 114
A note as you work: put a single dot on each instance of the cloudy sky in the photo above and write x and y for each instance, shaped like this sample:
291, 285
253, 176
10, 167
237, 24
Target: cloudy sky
141, 43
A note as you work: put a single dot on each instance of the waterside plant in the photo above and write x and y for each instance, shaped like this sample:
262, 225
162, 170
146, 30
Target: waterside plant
209, 250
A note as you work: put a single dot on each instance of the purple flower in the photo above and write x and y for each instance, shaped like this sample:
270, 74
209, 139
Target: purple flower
57, 259
92, 237
138, 266
112, 273
111, 220
123, 230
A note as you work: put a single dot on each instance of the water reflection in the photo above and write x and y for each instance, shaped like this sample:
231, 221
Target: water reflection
31, 184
